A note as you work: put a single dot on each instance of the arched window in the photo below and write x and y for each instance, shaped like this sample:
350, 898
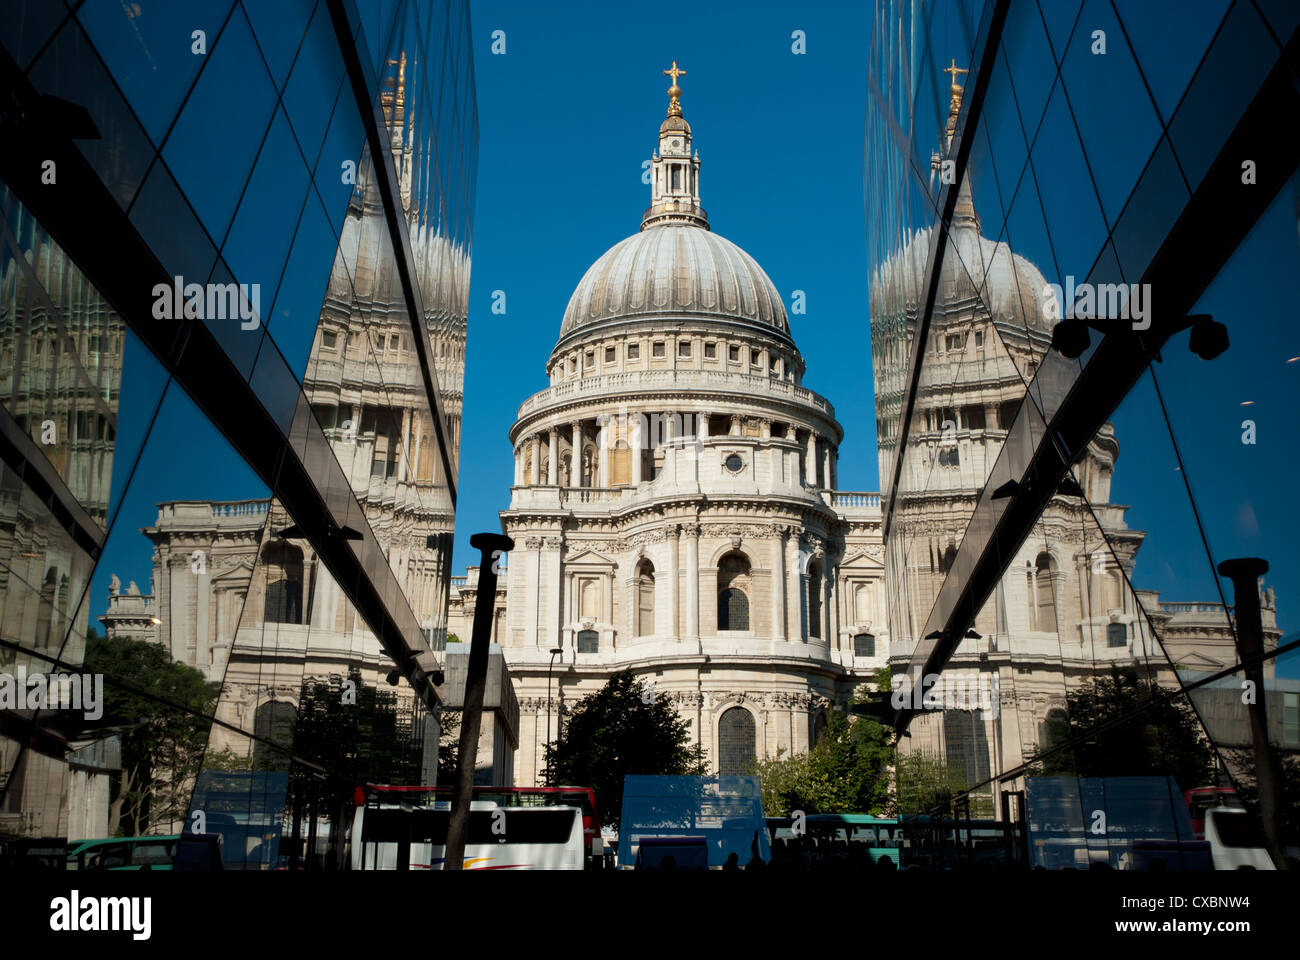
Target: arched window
864, 645
733, 592
1056, 728
819, 728
645, 599
736, 742
1114, 592
1045, 589
588, 641
283, 564
815, 599
273, 721
589, 607
862, 603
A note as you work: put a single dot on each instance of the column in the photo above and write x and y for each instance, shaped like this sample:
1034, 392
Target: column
575, 459
778, 584
553, 453
702, 425
418, 425
826, 466
608, 441
534, 468
735, 425
405, 456
673, 592
636, 425
766, 431
692, 531
810, 463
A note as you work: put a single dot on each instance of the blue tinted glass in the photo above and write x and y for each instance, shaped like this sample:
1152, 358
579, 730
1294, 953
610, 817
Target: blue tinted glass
344, 143
1241, 56
279, 26
313, 86
268, 213
1078, 230
143, 383
25, 25
168, 225
212, 147
1282, 15
1159, 198
1029, 58
1118, 142
1168, 47
297, 307
276, 386
70, 70
377, 21
1059, 15
149, 50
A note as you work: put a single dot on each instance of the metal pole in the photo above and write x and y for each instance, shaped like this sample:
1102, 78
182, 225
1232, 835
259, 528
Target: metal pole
1244, 572
554, 651
492, 546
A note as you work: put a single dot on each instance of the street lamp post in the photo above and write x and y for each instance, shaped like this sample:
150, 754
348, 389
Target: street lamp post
555, 651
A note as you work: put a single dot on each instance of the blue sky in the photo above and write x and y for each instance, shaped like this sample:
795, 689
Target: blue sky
568, 114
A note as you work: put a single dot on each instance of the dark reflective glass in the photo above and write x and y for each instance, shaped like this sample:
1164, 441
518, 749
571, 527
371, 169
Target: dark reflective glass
151, 51
279, 26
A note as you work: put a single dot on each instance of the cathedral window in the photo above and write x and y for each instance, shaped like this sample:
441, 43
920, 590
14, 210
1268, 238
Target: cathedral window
609, 354
634, 351
328, 339
645, 599
588, 641
591, 358
657, 349
737, 744
710, 351
733, 599
733, 353
815, 600
677, 177
684, 348
282, 563
1045, 597
864, 645
1116, 635
979, 338
755, 357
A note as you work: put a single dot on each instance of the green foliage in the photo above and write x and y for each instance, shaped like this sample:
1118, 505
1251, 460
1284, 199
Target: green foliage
926, 784
449, 747
366, 741
164, 745
1162, 740
617, 731
883, 679
452, 638
846, 772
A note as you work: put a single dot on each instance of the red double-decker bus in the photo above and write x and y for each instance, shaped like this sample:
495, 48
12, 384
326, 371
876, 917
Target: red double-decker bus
584, 798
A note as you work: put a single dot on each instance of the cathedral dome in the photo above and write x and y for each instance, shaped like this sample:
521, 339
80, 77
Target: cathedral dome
671, 271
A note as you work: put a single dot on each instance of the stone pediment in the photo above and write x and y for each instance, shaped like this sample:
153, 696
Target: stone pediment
240, 571
588, 558
868, 559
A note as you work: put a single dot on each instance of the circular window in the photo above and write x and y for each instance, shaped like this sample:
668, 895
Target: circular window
734, 463
677, 143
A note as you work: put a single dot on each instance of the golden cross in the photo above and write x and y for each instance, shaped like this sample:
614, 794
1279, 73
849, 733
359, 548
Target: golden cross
954, 70
675, 73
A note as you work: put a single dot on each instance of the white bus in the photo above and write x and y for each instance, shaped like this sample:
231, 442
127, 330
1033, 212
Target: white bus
401, 837
1236, 842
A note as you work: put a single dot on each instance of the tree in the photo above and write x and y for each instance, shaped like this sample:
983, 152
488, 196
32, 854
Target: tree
846, 772
1164, 739
926, 784
621, 729
362, 738
168, 728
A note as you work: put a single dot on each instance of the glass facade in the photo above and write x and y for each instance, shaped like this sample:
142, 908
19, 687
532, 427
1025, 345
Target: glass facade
1067, 451
234, 269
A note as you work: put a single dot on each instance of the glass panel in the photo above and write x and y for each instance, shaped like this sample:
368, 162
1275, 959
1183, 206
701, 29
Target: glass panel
149, 50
